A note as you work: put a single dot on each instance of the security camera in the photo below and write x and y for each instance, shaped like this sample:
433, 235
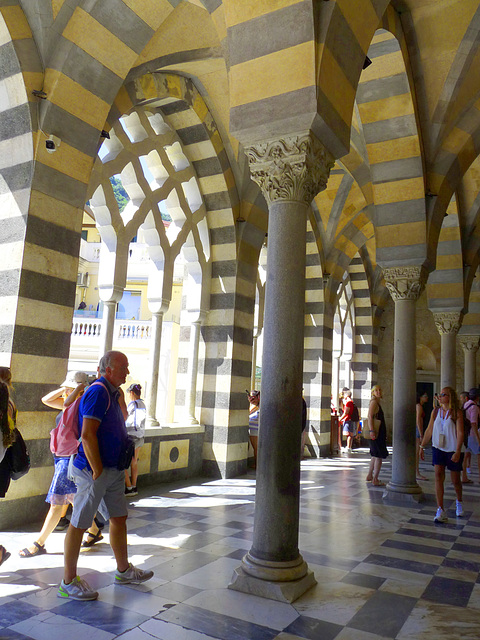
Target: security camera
52, 143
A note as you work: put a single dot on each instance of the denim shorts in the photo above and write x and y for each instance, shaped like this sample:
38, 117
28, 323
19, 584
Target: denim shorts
106, 493
444, 459
349, 428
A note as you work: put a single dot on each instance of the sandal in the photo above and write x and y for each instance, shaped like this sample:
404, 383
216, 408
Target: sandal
5, 554
378, 484
94, 537
467, 481
26, 553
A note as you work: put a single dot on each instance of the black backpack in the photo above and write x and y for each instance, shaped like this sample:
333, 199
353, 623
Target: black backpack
17, 456
355, 417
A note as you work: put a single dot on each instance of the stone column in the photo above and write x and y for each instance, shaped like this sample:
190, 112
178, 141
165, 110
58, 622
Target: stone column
193, 369
254, 359
405, 285
290, 172
448, 324
108, 326
470, 348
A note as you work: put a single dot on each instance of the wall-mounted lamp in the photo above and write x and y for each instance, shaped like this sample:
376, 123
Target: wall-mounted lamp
38, 93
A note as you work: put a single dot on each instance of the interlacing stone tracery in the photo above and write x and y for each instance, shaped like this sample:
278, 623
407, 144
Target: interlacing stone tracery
469, 343
293, 168
405, 283
448, 321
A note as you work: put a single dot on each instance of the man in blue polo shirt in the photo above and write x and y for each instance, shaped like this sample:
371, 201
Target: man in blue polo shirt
100, 478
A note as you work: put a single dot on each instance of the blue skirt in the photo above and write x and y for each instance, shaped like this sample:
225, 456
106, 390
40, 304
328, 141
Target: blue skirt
61, 489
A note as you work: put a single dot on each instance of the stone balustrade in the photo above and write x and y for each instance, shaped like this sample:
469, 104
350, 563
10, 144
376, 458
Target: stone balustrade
90, 328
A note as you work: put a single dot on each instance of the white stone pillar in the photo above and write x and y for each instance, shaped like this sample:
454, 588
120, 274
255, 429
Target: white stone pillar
470, 348
290, 172
156, 343
108, 326
193, 369
405, 285
448, 324
254, 360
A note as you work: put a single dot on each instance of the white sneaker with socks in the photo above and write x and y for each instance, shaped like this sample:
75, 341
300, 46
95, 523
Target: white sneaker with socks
441, 516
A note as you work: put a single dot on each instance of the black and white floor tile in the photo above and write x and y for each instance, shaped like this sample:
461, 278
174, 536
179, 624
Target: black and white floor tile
383, 571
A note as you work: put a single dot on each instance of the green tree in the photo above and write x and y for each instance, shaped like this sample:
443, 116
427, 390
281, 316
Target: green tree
121, 196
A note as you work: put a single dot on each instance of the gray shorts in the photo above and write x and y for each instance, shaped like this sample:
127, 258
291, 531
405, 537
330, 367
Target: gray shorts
105, 494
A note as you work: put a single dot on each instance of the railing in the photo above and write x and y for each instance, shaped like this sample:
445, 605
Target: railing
124, 329
87, 328
134, 330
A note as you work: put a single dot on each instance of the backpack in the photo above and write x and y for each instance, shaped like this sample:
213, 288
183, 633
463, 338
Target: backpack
17, 457
64, 440
467, 425
355, 417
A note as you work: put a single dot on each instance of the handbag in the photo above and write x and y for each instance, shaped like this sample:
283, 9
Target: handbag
376, 428
18, 457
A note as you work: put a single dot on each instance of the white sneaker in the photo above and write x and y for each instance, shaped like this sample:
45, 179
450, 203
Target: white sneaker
441, 516
132, 575
459, 510
78, 589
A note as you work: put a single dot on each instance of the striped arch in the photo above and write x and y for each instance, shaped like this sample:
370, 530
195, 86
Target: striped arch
265, 100
387, 111
456, 140
228, 328
365, 361
468, 196
449, 266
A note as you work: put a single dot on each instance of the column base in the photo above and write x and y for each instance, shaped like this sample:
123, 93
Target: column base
152, 422
405, 493
273, 590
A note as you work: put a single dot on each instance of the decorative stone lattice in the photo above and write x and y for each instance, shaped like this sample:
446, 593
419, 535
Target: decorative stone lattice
294, 168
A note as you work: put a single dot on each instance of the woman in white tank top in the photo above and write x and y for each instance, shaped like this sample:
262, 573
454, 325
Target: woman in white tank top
446, 431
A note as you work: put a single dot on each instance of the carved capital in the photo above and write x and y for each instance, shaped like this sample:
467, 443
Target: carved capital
447, 321
292, 168
405, 283
469, 343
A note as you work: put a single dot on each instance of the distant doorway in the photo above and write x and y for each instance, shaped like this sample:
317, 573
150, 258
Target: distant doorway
428, 388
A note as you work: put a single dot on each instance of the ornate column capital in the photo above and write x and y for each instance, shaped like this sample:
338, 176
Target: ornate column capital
469, 343
448, 321
293, 168
405, 283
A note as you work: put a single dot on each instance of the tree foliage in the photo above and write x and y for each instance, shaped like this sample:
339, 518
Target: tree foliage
121, 196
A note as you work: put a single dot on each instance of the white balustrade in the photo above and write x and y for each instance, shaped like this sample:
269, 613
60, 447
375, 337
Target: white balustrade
133, 329
86, 328
89, 329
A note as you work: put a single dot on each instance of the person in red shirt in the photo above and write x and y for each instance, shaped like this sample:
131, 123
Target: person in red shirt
349, 426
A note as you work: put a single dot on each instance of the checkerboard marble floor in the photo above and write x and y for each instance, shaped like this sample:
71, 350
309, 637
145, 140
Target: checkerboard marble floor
383, 571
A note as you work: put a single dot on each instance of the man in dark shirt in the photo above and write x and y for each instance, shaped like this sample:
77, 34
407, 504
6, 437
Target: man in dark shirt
100, 481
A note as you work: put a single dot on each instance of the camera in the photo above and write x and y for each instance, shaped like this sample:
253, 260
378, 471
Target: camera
52, 143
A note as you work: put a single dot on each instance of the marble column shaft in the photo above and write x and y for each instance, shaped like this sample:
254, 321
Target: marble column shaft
405, 285
470, 348
193, 370
156, 342
108, 326
290, 172
448, 324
